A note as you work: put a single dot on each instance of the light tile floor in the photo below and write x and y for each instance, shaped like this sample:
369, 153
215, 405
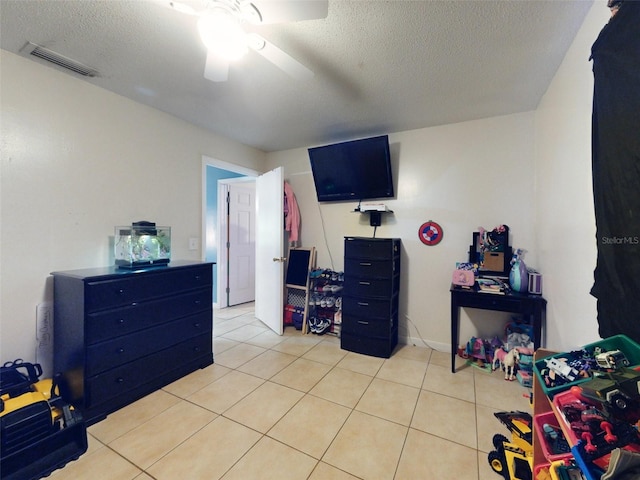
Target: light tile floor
299, 407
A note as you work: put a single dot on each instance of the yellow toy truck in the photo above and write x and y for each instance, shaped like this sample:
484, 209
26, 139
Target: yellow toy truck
513, 459
39, 431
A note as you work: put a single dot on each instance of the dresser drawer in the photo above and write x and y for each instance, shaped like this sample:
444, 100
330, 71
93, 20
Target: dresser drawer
370, 287
116, 292
368, 327
108, 324
126, 378
371, 248
370, 268
368, 308
374, 346
112, 353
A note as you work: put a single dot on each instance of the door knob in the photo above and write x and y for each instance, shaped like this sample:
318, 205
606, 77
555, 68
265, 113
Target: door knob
281, 259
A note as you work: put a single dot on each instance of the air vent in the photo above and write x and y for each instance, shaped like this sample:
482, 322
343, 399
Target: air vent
59, 60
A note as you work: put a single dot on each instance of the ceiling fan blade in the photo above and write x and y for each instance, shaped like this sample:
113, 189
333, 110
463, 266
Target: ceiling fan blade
216, 68
280, 11
280, 59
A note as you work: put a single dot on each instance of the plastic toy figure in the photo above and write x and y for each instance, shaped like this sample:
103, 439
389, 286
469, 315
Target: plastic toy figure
508, 361
560, 368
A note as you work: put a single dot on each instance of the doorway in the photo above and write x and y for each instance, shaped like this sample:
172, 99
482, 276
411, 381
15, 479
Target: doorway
213, 171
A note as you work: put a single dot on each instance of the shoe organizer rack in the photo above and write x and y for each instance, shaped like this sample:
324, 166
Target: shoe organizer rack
325, 301
300, 263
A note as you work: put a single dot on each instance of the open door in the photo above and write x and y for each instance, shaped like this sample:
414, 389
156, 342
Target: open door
241, 246
269, 249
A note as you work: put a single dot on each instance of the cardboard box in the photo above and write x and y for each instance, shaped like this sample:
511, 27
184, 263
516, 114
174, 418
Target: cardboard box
493, 261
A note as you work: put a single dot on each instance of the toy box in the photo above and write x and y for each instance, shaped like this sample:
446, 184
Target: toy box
525, 378
623, 343
553, 448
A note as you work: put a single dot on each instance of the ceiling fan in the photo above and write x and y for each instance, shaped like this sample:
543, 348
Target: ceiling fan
220, 24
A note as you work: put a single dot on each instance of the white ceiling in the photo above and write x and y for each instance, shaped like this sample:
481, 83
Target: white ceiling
380, 66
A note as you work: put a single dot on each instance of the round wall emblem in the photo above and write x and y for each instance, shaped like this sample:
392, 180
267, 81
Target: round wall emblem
430, 233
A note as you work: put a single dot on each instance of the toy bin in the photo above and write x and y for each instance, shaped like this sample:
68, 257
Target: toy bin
542, 472
549, 418
559, 401
623, 343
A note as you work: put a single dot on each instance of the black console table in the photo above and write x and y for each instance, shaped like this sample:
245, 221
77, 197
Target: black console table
533, 306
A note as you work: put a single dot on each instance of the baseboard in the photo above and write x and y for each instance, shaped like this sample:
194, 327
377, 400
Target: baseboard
419, 342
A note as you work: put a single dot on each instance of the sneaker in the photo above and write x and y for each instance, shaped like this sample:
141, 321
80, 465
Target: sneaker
336, 288
331, 302
312, 323
339, 303
323, 326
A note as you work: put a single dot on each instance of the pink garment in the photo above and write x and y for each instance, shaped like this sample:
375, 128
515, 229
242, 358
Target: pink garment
292, 214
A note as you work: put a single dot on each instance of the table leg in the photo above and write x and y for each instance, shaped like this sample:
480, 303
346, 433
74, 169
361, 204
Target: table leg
538, 318
455, 320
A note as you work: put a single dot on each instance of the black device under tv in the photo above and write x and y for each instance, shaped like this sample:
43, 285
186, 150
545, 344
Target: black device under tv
354, 170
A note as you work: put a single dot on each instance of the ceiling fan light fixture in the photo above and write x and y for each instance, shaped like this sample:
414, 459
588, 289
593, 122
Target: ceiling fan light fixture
222, 34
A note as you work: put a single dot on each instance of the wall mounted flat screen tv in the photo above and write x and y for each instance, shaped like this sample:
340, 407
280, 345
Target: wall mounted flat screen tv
354, 170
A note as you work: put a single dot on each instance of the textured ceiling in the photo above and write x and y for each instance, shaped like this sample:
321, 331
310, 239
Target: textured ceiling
380, 66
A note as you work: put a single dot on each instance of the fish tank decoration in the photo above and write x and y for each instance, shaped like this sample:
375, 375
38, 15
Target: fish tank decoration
142, 244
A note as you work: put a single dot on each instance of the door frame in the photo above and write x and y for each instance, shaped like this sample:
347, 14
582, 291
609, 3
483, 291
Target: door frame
215, 163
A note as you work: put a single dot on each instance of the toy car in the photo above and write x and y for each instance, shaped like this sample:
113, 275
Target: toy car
617, 391
39, 431
612, 360
513, 460
561, 368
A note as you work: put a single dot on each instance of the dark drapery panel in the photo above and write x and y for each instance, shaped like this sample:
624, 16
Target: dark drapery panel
616, 172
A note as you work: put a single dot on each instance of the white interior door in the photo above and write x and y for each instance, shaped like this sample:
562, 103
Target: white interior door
242, 247
269, 249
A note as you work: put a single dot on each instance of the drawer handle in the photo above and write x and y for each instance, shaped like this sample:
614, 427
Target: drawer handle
363, 304
197, 325
121, 321
196, 349
119, 380
120, 350
197, 277
365, 264
197, 302
364, 283
362, 322
120, 291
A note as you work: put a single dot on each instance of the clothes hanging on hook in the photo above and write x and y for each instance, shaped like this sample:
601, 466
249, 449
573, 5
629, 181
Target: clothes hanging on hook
291, 215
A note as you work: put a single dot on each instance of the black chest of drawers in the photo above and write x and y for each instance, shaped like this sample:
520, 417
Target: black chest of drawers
370, 296
120, 335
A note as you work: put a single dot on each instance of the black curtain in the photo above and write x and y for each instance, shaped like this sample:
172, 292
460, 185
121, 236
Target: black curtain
616, 172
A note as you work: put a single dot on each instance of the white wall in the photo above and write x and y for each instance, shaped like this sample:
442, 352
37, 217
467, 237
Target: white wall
462, 176
531, 171
565, 217
77, 161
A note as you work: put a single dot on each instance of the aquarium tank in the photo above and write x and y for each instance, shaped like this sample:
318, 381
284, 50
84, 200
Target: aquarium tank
142, 244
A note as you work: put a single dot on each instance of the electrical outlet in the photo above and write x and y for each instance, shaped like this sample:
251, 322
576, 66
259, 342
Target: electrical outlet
193, 243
